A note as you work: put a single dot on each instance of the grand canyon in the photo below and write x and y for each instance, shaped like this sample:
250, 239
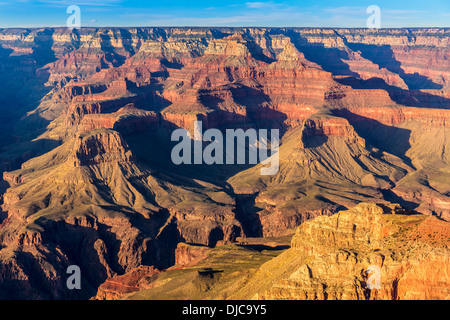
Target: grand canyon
87, 176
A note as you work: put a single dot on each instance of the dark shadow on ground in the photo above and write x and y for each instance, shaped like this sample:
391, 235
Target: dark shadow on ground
390, 196
384, 57
315, 141
412, 98
391, 139
330, 59
262, 247
21, 91
247, 214
13, 156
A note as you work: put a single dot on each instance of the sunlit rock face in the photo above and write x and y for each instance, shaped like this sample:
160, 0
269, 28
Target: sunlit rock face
85, 145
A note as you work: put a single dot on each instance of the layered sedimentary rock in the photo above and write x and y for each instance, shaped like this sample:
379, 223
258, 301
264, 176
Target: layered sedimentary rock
312, 180
126, 120
87, 117
120, 216
135, 280
330, 257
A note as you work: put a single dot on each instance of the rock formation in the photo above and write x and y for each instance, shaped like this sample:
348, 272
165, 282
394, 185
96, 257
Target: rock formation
85, 149
329, 257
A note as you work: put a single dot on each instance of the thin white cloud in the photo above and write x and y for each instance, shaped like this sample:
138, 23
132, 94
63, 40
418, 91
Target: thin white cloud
96, 3
262, 5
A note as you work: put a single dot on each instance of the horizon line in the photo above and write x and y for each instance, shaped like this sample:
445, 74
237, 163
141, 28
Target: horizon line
224, 27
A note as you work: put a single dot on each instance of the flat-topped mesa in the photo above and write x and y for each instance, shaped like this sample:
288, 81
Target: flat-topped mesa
242, 105
126, 120
330, 126
76, 88
178, 120
100, 146
119, 88
116, 89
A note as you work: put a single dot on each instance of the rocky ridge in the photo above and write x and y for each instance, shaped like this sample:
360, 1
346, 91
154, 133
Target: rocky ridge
329, 257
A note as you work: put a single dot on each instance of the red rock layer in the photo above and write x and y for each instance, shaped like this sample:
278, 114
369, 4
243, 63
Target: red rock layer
396, 115
137, 279
127, 120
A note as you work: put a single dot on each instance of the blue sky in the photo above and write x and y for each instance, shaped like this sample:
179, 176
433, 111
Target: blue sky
276, 13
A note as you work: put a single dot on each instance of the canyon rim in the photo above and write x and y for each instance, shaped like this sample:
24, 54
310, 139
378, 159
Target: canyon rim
355, 121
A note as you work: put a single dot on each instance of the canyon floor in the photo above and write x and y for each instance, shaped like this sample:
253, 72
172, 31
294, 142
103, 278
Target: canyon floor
89, 178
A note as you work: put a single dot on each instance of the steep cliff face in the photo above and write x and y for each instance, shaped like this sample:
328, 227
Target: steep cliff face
329, 257
295, 88
117, 287
127, 120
